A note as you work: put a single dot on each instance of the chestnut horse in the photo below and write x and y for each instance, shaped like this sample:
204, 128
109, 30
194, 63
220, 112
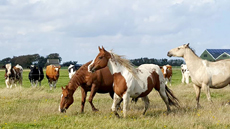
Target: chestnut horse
100, 82
204, 74
132, 82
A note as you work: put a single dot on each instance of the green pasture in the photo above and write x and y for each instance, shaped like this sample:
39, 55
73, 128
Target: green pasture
26, 107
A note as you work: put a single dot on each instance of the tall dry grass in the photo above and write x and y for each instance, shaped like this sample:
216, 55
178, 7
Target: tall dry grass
27, 107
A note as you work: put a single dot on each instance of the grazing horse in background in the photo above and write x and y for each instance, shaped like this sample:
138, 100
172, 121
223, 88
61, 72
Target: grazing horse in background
71, 70
167, 73
13, 75
36, 75
52, 74
204, 74
97, 82
185, 73
132, 82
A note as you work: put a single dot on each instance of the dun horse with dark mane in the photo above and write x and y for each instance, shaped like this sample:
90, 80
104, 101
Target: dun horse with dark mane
204, 74
98, 82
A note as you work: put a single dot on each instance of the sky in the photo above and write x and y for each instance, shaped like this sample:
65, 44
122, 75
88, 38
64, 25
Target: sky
134, 28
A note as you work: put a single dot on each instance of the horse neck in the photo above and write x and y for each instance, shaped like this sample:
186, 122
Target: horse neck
193, 62
77, 80
115, 67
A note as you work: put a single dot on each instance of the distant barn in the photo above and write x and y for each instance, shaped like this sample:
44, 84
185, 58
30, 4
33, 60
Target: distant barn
215, 54
55, 62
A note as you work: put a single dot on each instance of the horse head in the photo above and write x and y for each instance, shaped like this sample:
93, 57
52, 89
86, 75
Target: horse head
179, 51
66, 99
100, 61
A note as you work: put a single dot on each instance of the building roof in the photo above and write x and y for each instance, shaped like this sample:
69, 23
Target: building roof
217, 52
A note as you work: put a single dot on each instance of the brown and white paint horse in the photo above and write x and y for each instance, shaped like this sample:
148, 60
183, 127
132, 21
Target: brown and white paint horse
13, 75
100, 81
167, 73
204, 74
132, 82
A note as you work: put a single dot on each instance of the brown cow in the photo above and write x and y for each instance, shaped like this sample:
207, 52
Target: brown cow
13, 75
52, 74
167, 72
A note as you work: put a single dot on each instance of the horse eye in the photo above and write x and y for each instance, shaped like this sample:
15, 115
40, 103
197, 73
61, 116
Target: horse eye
178, 48
100, 57
66, 97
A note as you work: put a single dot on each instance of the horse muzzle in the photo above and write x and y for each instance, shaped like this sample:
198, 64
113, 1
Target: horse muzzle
169, 54
92, 69
62, 110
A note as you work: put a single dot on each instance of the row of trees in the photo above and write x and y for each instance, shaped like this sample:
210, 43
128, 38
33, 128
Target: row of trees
160, 62
41, 61
27, 60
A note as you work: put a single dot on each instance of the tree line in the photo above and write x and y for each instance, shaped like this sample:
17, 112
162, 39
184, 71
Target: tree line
160, 62
27, 60
36, 59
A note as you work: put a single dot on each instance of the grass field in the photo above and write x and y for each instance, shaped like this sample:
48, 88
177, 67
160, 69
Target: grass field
28, 107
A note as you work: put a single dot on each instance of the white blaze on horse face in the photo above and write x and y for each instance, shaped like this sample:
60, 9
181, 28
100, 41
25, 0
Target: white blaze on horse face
90, 66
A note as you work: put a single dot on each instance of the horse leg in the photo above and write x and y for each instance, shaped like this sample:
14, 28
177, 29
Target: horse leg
116, 100
119, 104
207, 91
165, 98
92, 94
146, 101
126, 98
197, 90
83, 97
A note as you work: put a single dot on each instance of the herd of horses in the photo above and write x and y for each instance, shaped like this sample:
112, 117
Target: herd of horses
113, 74
124, 81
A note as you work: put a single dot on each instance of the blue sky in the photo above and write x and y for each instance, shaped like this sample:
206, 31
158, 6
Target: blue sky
135, 28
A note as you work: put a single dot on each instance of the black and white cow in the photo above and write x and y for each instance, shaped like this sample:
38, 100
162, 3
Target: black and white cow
13, 75
72, 69
35, 75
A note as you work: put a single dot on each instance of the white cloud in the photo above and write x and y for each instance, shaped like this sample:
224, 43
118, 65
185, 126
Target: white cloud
149, 27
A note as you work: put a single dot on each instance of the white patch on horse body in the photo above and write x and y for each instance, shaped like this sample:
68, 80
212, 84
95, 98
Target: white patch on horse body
135, 86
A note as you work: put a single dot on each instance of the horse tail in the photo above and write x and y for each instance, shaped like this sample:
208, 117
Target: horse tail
172, 98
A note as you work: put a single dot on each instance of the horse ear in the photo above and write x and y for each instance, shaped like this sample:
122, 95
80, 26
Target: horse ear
103, 48
62, 88
99, 48
187, 45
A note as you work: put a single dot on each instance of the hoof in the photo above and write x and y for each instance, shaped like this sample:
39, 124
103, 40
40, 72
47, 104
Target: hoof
116, 114
95, 110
